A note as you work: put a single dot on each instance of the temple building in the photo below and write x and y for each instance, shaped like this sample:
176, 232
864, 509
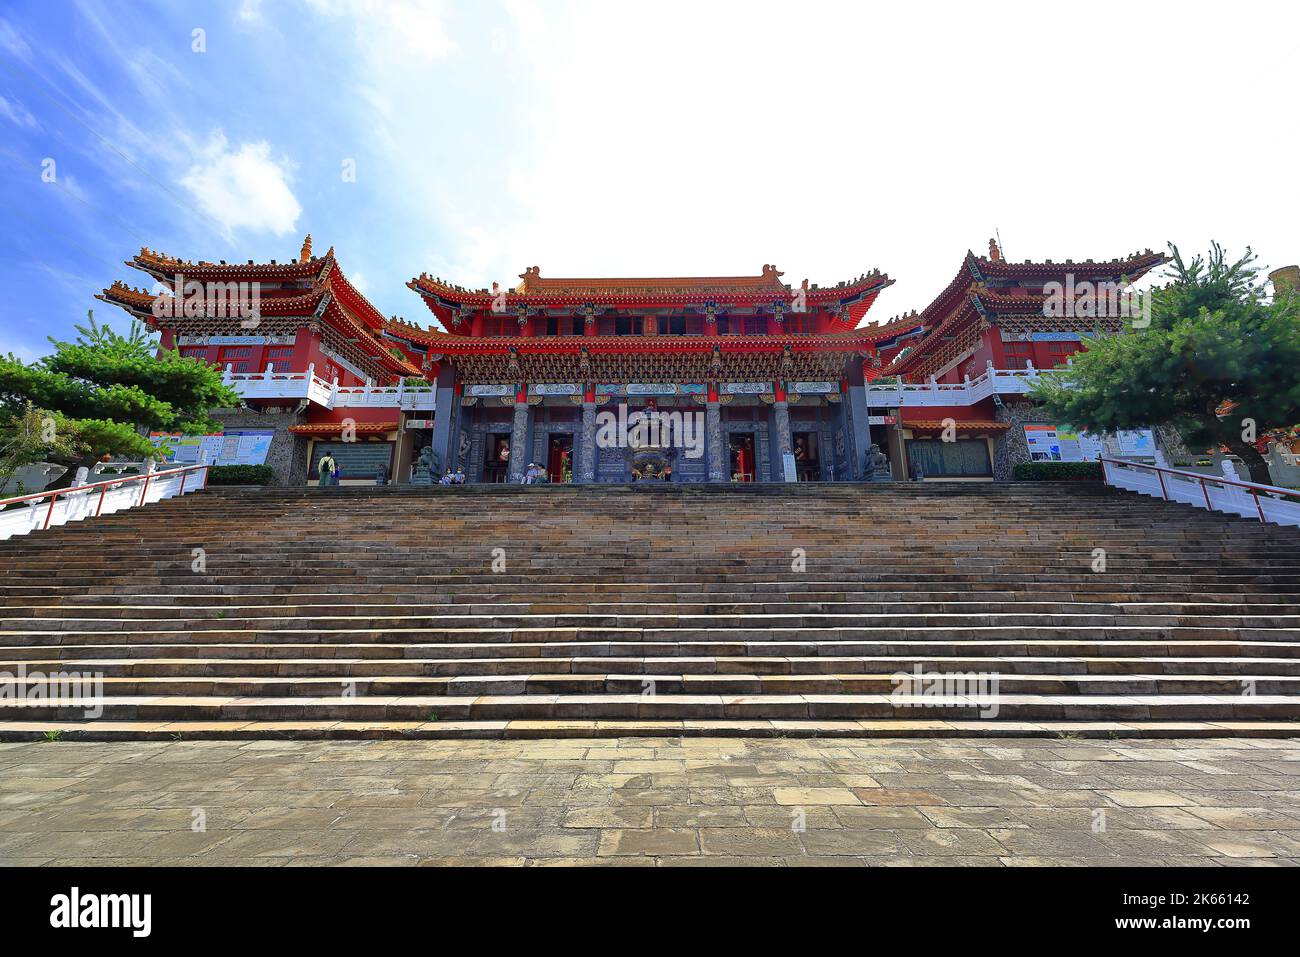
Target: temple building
702, 379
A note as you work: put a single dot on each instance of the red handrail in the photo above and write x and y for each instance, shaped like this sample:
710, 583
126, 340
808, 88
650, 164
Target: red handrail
1160, 470
103, 486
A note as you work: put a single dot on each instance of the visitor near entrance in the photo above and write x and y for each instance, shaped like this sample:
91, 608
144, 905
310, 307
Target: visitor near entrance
326, 469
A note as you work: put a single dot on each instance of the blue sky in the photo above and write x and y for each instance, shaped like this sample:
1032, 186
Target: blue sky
611, 138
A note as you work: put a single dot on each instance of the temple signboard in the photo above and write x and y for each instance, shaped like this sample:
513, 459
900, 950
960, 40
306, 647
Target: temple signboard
555, 388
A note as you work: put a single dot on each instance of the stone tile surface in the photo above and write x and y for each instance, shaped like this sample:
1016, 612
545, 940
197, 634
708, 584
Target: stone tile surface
653, 801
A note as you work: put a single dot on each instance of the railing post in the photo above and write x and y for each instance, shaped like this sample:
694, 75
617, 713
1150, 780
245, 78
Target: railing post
50, 514
1258, 507
1206, 492
1164, 494
103, 490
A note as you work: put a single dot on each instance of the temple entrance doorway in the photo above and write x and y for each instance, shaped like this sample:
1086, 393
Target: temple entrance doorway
741, 446
807, 456
496, 457
559, 457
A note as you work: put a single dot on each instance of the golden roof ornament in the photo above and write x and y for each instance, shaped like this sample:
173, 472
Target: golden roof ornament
305, 253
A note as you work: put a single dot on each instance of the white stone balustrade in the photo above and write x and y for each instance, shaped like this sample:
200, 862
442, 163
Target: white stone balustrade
307, 386
968, 392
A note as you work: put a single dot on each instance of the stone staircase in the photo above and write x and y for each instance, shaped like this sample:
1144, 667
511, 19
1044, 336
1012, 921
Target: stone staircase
655, 610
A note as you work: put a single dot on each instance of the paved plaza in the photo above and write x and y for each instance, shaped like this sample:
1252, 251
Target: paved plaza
653, 802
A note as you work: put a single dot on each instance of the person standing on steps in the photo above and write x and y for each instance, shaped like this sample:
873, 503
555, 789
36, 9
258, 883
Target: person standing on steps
326, 469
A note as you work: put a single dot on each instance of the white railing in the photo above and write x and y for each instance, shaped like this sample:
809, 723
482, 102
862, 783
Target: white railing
1268, 503
40, 510
967, 392
307, 386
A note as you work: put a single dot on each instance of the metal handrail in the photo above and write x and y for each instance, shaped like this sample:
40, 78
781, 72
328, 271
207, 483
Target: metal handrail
1161, 471
144, 477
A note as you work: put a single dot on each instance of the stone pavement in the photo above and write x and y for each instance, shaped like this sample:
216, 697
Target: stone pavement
653, 801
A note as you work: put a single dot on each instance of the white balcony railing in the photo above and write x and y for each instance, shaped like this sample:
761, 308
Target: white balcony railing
307, 386
271, 385
967, 392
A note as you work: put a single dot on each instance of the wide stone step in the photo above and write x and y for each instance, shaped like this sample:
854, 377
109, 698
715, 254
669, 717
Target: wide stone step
46, 685
669, 611
995, 649
105, 730
1029, 707
341, 668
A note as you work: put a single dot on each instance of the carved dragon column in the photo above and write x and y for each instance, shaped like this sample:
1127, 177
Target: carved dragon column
713, 435
586, 473
520, 445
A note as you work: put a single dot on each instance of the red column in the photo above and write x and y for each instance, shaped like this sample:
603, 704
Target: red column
302, 352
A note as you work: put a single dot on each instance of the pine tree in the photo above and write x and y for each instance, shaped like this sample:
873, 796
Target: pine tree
1220, 362
100, 395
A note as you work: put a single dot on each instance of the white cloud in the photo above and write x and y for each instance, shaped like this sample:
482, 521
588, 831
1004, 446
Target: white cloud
394, 29
12, 41
243, 188
16, 113
705, 138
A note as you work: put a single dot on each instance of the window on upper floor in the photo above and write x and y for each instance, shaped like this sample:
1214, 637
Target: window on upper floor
1058, 352
278, 356
1018, 354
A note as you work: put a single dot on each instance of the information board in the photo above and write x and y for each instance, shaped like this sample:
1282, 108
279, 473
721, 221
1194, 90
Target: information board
242, 447
1061, 443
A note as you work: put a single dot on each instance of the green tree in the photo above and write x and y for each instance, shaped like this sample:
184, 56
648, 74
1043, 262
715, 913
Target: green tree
1215, 343
100, 395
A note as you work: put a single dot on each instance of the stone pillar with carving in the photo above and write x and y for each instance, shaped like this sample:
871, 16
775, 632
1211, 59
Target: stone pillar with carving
784, 442
520, 446
714, 438
587, 449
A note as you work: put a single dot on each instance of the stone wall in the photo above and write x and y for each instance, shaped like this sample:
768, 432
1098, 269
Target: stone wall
288, 454
1010, 449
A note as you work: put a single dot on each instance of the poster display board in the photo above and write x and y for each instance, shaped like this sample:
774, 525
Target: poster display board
1061, 443
1137, 442
243, 447
1064, 443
